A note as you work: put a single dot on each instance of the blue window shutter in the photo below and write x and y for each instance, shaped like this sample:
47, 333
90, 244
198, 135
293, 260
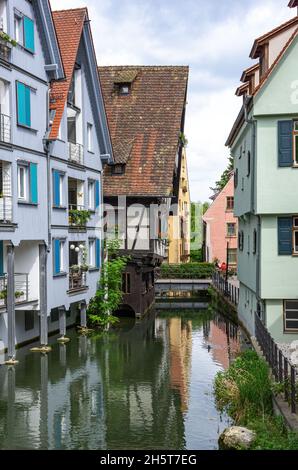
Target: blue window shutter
28, 34
285, 143
33, 183
1, 259
97, 194
24, 104
57, 264
56, 188
285, 235
97, 253
28, 105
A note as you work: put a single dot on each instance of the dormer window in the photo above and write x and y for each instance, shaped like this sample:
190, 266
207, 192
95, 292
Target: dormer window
124, 89
72, 91
264, 60
118, 169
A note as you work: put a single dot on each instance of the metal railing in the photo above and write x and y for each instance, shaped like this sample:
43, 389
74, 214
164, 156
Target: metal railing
21, 288
77, 280
76, 153
283, 371
227, 288
6, 209
5, 50
5, 128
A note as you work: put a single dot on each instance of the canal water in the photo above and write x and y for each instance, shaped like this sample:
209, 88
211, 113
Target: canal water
145, 385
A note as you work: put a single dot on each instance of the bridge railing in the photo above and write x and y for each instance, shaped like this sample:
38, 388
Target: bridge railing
227, 288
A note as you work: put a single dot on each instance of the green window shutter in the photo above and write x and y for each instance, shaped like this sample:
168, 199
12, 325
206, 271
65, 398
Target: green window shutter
285, 235
285, 143
97, 194
23, 104
29, 34
56, 188
57, 263
33, 184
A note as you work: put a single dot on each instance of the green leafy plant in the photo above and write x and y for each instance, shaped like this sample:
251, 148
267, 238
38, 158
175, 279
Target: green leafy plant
79, 217
18, 294
75, 268
187, 271
183, 140
5, 37
109, 295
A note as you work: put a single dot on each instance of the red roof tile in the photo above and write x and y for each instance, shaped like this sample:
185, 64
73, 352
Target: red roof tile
69, 26
145, 128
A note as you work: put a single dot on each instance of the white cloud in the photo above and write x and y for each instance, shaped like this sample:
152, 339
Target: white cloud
155, 32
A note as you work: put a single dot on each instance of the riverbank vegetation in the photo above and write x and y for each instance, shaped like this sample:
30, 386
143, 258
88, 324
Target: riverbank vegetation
109, 294
244, 392
187, 271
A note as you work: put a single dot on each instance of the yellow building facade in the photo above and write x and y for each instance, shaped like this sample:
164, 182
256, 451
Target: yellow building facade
180, 223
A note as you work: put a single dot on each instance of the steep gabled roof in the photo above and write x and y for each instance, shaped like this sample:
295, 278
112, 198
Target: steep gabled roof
255, 52
242, 89
145, 127
69, 27
248, 72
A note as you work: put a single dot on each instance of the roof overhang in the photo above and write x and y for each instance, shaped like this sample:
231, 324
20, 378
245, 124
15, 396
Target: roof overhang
249, 72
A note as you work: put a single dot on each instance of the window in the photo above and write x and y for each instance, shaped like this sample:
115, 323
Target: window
232, 256
241, 240
287, 235
58, 256
118, 169
89, 137
255, 242
230, 203
24, 31
291, 315
295, 235
71, 99
231, 230
27, 183
92, 261
236, 178
91, 195
29, 321
3, 16
124, 89
295, 137
58, 180
126, 283
248, 163
23, 104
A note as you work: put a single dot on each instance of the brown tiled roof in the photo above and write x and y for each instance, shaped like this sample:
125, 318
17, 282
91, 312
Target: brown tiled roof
69, 26
254, 54
145, 127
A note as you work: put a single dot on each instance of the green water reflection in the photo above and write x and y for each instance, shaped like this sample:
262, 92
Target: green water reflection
146, 385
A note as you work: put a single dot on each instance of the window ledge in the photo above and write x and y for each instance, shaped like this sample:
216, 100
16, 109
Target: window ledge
93, 269
58, 276
25, 49
27, 203
59, 208
30, 129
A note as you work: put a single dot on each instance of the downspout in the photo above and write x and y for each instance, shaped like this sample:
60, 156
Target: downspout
47, 145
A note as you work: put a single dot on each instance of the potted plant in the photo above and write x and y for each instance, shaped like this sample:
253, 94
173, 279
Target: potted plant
75, 268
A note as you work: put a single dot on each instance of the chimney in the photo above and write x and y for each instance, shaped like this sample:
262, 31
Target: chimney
293, 4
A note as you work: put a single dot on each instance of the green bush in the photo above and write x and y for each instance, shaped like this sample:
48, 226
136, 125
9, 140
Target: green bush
187, 271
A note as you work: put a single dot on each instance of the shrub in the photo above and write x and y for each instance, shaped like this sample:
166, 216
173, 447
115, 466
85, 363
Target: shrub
187, 271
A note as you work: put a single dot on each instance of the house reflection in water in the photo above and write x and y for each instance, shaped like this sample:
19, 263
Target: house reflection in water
223, 340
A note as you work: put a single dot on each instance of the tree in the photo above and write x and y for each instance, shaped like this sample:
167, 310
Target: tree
225, 177
109, 296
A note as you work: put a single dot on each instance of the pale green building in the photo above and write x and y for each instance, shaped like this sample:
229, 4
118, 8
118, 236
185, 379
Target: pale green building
264, 144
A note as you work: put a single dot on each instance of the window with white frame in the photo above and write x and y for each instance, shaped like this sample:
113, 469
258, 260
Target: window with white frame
291, 315
23, 182
92, 248
89, 137
295, 235
91, 195
231, 230
3, 16
24, 31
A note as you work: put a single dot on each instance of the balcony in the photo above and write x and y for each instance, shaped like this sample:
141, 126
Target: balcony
5, 128
77, 280
78, 216
5, 49
5, 209
76, 153
21, 289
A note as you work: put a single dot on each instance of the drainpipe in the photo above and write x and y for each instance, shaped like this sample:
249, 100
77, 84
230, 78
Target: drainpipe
47, 144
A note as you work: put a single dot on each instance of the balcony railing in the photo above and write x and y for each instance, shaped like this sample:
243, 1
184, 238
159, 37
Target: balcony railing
6, 209
76, 153
77, 281
78, 216
5, 50
5, 128
21, 289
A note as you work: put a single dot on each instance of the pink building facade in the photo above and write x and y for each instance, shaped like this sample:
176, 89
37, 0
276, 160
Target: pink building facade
221, 228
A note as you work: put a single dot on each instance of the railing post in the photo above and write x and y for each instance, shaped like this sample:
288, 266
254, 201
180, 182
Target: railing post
280, 364
11, 319
293, 389
286, 378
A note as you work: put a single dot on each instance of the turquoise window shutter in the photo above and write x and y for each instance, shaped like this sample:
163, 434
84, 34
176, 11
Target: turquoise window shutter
285, 235
33, 183
29, 34
57, 264
285, 143
56, 188
24, 104
97, 194
1, 259
97, 253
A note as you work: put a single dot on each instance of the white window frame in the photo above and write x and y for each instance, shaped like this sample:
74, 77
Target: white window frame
235, 231
18, 28
91, 195
295, 230
25, 169
287, 310
3, 18
61, 255
89, 137
92, 254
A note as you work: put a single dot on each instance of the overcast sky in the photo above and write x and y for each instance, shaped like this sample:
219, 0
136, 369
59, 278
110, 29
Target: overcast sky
214, 38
